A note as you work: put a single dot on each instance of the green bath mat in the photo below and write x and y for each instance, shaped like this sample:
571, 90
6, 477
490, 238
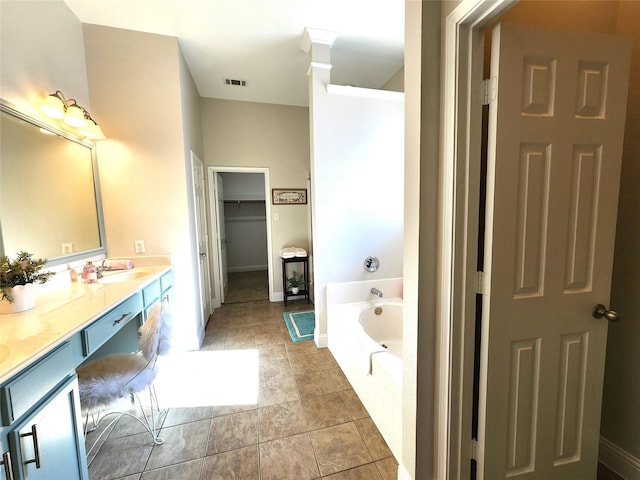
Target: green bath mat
300, 324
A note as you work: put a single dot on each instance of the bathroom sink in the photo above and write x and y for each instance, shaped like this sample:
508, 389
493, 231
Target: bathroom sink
124, 275
5, 351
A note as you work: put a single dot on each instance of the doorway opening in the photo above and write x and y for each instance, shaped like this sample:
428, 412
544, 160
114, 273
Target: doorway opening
241, 234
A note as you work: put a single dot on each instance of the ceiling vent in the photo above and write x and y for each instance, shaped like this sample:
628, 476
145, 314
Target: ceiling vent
235, 82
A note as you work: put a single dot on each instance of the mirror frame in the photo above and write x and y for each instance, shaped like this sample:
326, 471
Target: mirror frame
8, 108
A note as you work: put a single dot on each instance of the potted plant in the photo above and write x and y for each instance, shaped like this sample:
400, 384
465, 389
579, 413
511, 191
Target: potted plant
16, 281
294, 283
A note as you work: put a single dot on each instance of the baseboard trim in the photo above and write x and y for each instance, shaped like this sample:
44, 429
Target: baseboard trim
403, 474
322, 340
247, 268
619, 460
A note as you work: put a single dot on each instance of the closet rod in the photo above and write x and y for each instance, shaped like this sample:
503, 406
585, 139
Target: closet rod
244, 201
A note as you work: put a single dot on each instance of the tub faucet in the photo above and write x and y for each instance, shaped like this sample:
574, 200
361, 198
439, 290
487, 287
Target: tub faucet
376, 292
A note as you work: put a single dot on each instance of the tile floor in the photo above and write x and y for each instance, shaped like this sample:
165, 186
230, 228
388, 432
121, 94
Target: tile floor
307, 422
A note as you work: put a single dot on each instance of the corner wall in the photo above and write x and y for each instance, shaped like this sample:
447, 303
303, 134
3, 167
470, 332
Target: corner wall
357, 155
248, 134
136, 82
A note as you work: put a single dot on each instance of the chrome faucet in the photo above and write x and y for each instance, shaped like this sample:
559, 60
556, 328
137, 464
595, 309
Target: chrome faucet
376, 292
102, 268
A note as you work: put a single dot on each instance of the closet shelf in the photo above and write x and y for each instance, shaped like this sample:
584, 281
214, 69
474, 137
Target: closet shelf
243, 201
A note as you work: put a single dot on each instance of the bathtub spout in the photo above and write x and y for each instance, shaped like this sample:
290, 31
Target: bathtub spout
376, 292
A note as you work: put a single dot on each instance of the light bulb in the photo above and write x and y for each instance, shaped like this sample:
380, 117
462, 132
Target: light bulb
74, 116
92, 130
53, 106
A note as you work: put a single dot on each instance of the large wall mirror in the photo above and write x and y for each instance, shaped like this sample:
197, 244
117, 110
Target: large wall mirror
49, 192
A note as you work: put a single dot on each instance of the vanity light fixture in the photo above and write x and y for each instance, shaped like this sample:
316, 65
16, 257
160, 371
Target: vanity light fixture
58, 107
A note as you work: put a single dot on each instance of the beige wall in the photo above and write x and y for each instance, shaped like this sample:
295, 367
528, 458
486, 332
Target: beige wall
136, 89
246, 134
42, 51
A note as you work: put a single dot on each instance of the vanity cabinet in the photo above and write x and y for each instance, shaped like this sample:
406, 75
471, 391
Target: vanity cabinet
48, 444
157, 291
40, 416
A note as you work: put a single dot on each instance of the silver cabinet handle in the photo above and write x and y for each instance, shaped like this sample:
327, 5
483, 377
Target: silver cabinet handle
36, 446
124, 315
6, 461
600, 311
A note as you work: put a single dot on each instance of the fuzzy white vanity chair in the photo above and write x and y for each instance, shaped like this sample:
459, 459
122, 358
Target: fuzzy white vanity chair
104, 381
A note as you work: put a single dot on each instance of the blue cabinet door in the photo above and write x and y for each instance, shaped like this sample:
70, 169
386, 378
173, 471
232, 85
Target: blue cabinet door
49, 444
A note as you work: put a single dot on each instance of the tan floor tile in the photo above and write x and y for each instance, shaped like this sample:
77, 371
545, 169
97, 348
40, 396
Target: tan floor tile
277, 390
181, 471
305, 363
268, 339
325, 410
241, 321
275, 368
240, 330
231, 432
180, 444
317, 383
266, 328
298, 348
108, 463
353, 404
290, 446
339, 378
241, 464
289, 458
178, 416
281, 420
272, 352
239, 343
339, 448
373, 439
219, 410
365, 472
388, 468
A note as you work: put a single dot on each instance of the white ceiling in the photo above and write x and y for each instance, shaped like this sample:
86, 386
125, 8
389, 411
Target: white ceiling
259, 40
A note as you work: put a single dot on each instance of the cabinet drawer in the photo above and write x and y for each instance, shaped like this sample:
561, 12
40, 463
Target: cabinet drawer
151, 293
20, 393
104, 328
166, 280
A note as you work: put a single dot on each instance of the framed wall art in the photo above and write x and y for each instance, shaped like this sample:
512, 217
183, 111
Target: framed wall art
289, 196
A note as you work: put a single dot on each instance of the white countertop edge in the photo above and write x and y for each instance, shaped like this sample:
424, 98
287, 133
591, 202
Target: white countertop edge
47, 304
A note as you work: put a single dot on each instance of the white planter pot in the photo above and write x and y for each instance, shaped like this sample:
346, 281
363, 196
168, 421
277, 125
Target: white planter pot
24, 298
295, 290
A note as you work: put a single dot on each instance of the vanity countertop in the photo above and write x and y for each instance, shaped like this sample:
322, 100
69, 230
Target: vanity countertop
62, 312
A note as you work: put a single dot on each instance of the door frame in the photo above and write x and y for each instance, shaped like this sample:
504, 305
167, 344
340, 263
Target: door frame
215, 256
458, 233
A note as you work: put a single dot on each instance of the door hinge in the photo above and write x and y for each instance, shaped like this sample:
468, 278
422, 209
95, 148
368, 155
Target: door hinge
482, 287
487, 93
474, 449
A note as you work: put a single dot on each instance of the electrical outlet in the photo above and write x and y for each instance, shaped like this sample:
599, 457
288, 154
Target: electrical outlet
67, 248
139, 244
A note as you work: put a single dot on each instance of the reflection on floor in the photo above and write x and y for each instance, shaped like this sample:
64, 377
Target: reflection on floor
247, 287
255, 405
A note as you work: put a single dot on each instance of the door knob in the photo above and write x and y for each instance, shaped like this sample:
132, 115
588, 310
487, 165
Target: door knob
600, 311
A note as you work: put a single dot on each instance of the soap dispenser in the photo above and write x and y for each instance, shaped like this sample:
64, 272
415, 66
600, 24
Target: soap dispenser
89, 273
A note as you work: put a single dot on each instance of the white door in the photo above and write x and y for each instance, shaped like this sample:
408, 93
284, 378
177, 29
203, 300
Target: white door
555, 146
202, 237
220, 260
